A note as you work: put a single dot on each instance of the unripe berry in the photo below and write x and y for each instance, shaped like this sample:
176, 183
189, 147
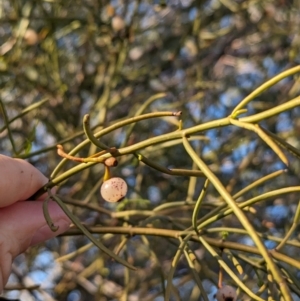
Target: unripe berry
113, 190
117, 23
31, 37
226, 293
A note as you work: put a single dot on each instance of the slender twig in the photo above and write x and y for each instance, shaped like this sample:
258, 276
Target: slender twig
140, 110
272, 112
173, 267
228, 270
171, 171
73, 254
292, 229
161, 232
89, 134
255, 128
166, 137
212, 217
198, 205
259, 182
190, 258
24, 112
264, 87
94, 159
242, 218
47, 215
111, 128
293, 150
10, 135
86, 232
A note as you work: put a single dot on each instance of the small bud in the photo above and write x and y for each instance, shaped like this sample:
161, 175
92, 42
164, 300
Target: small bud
113, 190
226, 293
111, 162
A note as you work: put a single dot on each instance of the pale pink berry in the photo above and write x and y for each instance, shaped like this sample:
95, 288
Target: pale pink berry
31, 37
117, 23
113, 190
226, 293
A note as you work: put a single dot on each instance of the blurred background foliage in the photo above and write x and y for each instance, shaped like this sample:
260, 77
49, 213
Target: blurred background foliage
60, 60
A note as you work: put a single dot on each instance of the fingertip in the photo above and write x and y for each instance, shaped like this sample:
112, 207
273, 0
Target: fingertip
21, 180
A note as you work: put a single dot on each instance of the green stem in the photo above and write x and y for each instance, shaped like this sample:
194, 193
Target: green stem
295, 102
293, 150
47, 215
6, 121
216, 215
198, 205
109, 129
259, 182
264, 137
140, 110
85, 231
174, 264
242, 218
291, 230
89, 134
293, 243
173, 171
160, 139
24, 112
190, 258
228, 270
264, 87
161, 232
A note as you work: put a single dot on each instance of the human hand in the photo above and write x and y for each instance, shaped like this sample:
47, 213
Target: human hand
22, 224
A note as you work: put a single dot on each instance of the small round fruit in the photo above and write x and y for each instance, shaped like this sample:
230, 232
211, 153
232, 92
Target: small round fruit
226, 293
117, 23
113, 190
31, 37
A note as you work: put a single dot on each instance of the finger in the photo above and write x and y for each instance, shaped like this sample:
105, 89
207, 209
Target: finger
19, 180
22, 225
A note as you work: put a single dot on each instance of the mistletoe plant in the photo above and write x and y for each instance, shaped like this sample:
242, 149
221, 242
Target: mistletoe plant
275, 265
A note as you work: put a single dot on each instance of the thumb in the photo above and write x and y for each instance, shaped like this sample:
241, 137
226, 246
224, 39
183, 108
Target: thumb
25, 224
22, 225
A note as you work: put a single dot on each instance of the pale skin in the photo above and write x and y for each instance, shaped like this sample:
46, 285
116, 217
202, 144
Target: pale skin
22, 224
